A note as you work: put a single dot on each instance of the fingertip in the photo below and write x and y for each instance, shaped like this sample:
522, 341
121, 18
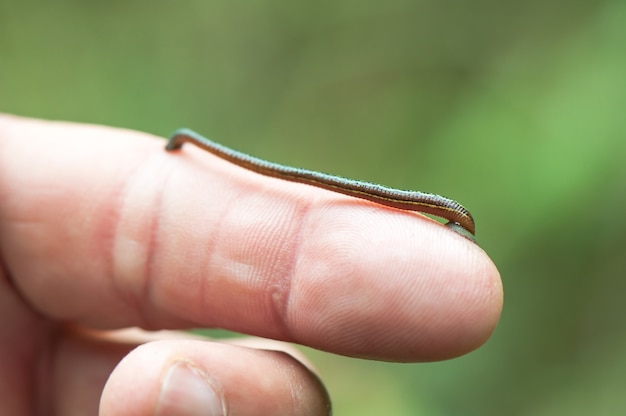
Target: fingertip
405, 290
199, 377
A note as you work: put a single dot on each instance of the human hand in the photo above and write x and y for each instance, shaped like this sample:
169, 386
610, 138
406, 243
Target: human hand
101, 229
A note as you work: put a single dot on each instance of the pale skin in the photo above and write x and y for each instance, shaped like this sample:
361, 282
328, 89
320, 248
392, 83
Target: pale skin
101, 230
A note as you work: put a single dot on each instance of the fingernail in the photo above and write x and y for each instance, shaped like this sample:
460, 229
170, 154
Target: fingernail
186, 391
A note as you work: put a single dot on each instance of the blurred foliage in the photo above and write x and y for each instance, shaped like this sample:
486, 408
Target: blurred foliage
516, 109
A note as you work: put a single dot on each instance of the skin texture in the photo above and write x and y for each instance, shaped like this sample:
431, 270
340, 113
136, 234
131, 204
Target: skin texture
101, 229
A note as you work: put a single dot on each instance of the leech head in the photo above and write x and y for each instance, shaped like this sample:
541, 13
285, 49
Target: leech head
456, 227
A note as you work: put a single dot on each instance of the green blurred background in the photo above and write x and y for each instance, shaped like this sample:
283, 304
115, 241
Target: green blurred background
516, 109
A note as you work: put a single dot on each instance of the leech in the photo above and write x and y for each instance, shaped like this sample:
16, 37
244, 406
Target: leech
460, 219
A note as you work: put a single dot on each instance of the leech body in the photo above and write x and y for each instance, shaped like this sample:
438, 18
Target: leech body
460, 220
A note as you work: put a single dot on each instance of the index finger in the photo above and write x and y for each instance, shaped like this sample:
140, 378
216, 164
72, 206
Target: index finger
102, 227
